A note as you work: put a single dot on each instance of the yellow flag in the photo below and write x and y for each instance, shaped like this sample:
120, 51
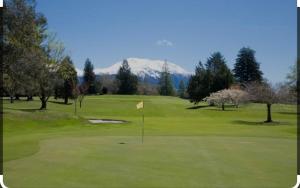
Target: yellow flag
140, 105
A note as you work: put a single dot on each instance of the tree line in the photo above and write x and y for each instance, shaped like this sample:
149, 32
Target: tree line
35, 64
216, 84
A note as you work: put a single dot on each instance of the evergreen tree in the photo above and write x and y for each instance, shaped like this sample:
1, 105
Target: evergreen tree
68, 74
219, 75
89, 76
213, 77
126, 81
292, 76
246, 68
198, 86
165, 82
181, 89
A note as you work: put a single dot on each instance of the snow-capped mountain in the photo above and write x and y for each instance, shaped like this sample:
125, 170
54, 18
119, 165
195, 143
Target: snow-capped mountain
146, 69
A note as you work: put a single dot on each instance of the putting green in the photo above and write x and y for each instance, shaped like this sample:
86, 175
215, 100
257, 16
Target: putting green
162, 161
183, 147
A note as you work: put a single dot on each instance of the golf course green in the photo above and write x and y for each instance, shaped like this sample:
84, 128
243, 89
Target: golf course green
184, 145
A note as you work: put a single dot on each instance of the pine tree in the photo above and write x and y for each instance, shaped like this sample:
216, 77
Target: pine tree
219, 75
165, 82
89, 76
198, 85
181, 89
126, 81
246, 68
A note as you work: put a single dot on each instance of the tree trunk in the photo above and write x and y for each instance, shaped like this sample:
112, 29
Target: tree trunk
11, 99
269, 118
223, 106
44, 105
17, 97
66, 99
44, 102
55, 94
75, 102
29, 98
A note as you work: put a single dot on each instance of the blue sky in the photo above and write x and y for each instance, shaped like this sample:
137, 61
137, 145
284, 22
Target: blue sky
181, 31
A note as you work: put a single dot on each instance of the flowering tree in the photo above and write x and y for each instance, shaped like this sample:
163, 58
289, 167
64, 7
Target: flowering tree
238, 96
233, 96
220, 98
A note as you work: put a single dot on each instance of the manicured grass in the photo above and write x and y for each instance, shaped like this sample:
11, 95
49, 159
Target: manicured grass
183, 147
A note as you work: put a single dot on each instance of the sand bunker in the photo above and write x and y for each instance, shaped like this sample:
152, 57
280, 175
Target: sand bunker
96, 121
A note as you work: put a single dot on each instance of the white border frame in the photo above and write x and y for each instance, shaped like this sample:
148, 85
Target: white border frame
1, 182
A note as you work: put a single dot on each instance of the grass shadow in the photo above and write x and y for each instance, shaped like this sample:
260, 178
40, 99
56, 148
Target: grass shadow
60, 102
259, 123
220, 109
26, 109
197, 107
288, 113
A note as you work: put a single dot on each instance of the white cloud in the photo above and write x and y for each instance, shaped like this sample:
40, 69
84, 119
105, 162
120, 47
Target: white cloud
164, 42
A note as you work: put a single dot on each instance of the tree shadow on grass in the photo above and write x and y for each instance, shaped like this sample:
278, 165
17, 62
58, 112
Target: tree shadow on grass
60, 102
220, 109
259, 123
288, 113
197, 107
26, 109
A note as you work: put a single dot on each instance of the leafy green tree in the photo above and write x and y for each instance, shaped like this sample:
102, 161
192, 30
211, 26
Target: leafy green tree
198, 85
165, 83
68, 74
219, 75
126, 81
23, 33
89, 76
246, 68
31, 53
9, 86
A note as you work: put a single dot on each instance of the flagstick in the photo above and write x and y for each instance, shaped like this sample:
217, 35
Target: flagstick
143, 125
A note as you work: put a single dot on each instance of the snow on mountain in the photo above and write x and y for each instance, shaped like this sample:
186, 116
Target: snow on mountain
79, 72
144, 67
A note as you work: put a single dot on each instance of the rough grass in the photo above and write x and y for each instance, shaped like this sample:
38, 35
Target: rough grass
185, 146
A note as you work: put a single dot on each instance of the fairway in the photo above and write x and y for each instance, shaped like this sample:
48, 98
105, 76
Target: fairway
184, 146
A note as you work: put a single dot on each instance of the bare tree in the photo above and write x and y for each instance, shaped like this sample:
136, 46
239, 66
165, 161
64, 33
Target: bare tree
263, 93
82, 90
47, 67
286, 95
